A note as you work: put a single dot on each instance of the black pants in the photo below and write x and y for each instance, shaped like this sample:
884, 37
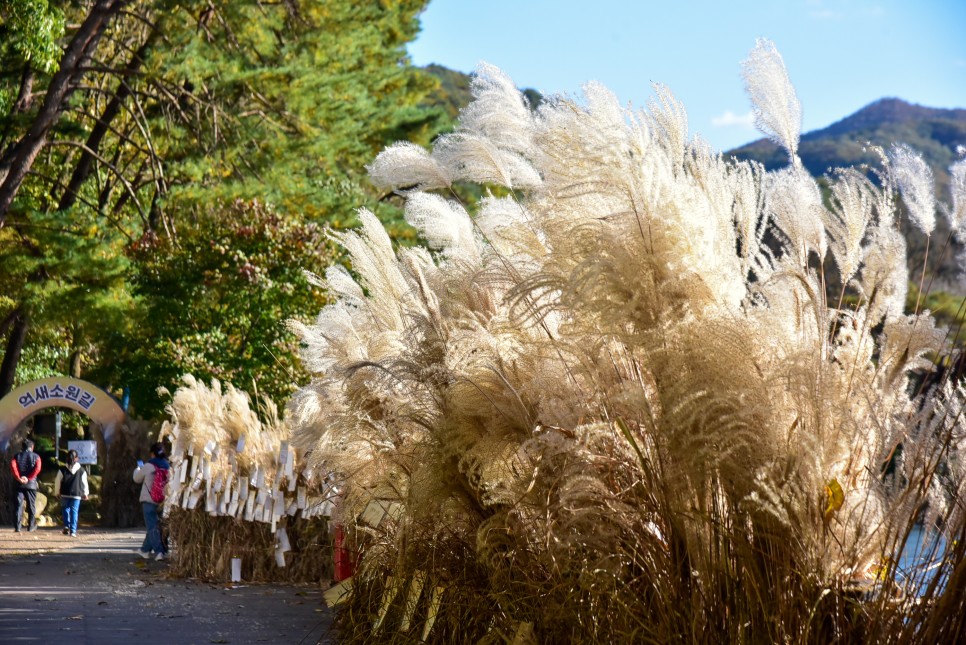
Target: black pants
30, 496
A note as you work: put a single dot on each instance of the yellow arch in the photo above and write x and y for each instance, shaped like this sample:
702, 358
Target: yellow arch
59, 392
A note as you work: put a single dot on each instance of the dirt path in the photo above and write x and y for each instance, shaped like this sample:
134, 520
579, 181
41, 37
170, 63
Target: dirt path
94, 589
46, 539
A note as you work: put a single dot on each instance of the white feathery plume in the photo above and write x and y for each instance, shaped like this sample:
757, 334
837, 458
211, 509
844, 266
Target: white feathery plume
421, 272
957, 189
344, 286
583, 152
794, 201
445, 225
914, 180
418, 255
848, 220
373, 260
508, 230
493, 137
884, 279
906, 342
668, 116
710, 182
853, 346
334, 338
604, 105
471, 157
498, 112
748, 209
406, 166
778, 113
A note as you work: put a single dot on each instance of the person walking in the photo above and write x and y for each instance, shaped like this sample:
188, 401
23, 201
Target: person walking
71, 484
145, 475
26, 468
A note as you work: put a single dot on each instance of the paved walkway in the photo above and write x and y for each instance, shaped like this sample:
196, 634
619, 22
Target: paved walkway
99, 592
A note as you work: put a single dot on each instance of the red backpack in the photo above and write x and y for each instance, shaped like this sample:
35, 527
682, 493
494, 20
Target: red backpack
157, 487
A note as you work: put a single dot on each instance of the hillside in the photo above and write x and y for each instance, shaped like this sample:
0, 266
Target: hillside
935, 133
453, 92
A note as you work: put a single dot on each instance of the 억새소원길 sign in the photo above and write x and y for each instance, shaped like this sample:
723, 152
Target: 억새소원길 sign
58, 392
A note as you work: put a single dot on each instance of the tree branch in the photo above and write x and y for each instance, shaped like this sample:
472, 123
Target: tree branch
61, 86
117, 173
113, 108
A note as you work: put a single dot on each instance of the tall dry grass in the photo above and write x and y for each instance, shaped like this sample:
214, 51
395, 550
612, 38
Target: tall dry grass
618, 403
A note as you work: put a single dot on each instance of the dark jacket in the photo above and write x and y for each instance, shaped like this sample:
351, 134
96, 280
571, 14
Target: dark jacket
26, 464
72, 482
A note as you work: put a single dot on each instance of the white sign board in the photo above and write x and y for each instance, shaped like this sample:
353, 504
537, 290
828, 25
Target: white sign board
86, 451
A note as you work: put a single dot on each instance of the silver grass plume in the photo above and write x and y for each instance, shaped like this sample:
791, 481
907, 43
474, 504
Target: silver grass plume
493, 136
445, 225
914, 180
668, 115
794, 203
778, 113
957, 189
499, 112
852, 211
906, 343
372, 257
506, 227
406, 166
884, 282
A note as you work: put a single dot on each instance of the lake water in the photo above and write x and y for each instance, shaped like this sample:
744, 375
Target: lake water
920, 559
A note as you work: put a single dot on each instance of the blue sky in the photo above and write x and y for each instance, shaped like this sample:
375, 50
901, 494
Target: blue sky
840, 54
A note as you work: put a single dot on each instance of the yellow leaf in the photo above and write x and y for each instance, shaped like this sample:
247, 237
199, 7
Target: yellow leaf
881, 572
835, 498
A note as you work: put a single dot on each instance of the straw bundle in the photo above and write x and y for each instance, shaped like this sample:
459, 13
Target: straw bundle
618, 404
238, 489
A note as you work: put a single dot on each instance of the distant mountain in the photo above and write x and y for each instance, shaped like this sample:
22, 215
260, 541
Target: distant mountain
933, 132
453, 93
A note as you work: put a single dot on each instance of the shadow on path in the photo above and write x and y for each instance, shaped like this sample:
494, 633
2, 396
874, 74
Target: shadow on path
103, 593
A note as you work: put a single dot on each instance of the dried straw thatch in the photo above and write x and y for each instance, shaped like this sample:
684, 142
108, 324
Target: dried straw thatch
238, 490
617, 403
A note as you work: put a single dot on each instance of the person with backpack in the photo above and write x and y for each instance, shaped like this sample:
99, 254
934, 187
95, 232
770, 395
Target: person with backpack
71, 484
153, 476
26, 467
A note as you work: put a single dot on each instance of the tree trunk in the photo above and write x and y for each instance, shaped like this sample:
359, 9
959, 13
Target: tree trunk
8, 320
75, 364
15, 343
80, 48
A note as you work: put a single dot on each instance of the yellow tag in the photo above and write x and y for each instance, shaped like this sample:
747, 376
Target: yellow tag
835, 498
882, 570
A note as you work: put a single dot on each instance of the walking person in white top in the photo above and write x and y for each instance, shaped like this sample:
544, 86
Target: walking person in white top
145, 474
71, 484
